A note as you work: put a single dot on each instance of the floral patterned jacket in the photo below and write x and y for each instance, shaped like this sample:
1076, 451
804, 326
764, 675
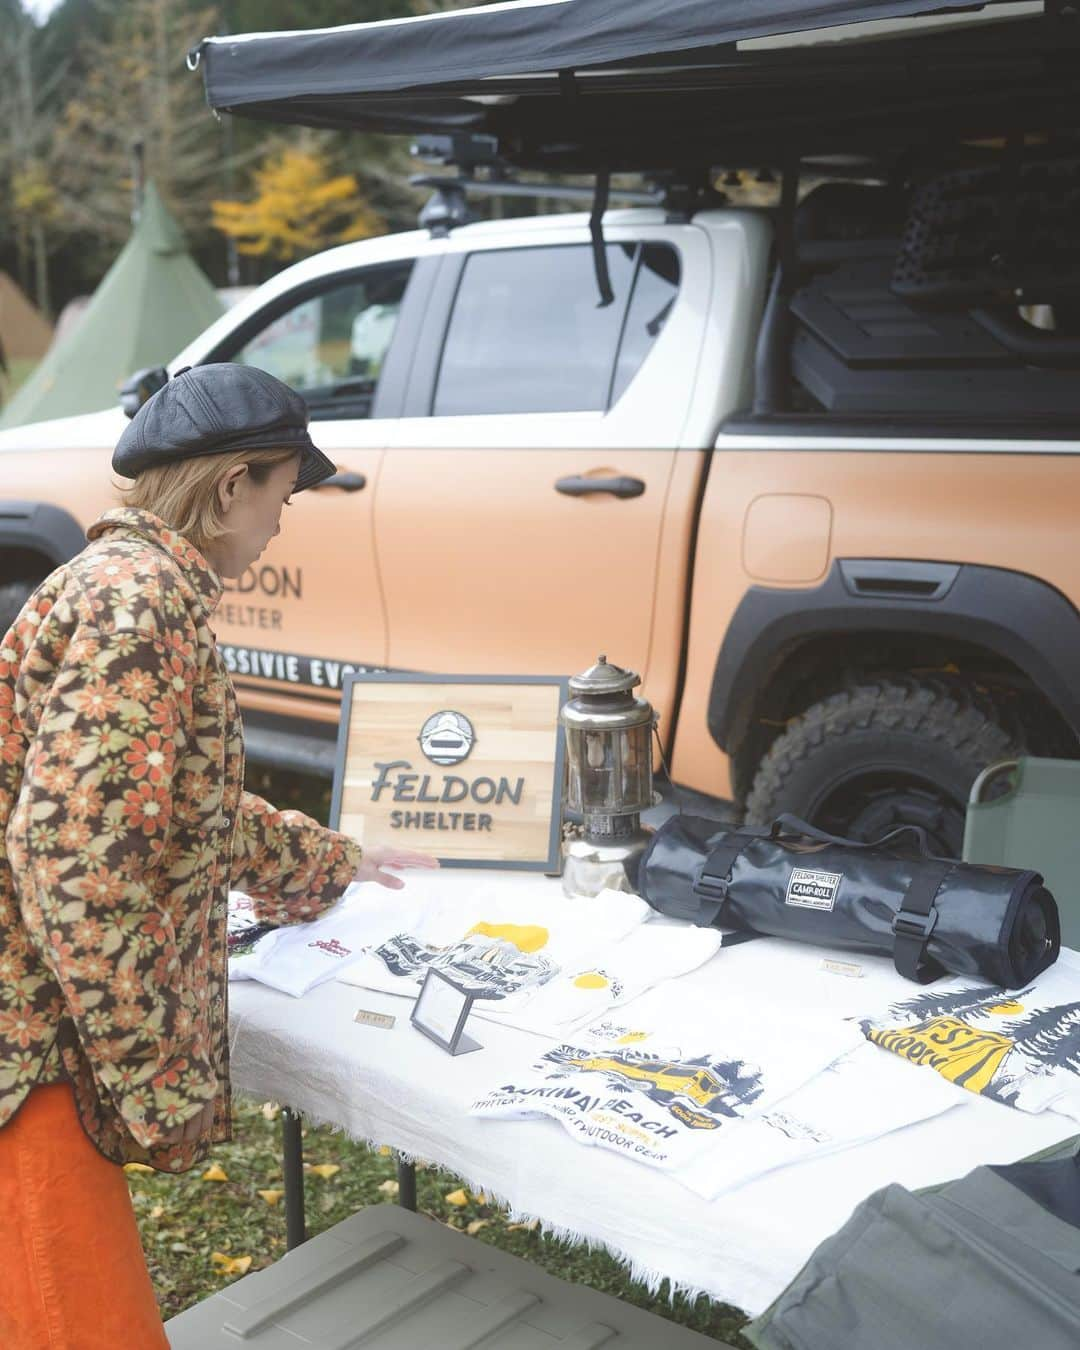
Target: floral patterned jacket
123, 824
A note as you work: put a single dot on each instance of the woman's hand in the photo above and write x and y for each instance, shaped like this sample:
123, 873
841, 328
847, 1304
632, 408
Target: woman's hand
380, 856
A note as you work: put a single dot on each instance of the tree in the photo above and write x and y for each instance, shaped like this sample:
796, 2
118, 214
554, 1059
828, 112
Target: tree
136, 89
300, 206
27, 101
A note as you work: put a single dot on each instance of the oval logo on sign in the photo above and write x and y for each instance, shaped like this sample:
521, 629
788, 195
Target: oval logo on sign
447, 737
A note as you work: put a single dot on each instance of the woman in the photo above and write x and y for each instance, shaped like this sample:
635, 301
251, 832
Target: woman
123, 824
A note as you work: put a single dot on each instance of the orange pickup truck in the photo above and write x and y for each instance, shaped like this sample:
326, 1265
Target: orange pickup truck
827, 508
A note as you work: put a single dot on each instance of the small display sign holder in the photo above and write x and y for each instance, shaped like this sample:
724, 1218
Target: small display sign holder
466, 767
441, 1010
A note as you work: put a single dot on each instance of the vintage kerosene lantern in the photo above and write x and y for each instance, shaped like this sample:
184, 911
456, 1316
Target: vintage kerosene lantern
609, 778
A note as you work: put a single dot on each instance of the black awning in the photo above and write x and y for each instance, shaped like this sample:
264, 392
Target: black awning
633, 84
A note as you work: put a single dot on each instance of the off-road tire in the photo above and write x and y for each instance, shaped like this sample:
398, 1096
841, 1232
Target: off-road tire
13, 595
882, 752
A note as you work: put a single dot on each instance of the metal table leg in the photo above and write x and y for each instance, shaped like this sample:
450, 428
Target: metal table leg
292, 1160
406, 1175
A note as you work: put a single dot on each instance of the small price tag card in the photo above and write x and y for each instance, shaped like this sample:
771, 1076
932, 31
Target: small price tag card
441, 1011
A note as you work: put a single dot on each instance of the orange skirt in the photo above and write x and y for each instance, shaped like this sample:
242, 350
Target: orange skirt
72, 1271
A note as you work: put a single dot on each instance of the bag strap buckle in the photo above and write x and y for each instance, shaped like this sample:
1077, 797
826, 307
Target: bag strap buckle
712, 880
909, 923
916, 920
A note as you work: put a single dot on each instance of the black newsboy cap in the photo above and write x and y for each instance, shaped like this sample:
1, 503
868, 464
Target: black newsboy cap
216, 408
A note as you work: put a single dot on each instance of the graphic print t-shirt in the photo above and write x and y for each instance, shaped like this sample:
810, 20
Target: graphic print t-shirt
1016, 1046
503, 947
297, 957
663, 1092
587, 989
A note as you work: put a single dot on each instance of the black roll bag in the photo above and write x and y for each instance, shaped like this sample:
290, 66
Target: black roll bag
934, 915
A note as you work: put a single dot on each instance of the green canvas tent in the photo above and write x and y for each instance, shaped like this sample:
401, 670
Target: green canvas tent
150, 304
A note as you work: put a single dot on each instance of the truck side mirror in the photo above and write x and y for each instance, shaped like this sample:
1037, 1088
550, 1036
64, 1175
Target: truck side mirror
137, 388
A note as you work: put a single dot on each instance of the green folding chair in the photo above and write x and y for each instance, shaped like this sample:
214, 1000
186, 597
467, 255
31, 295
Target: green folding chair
1026, 813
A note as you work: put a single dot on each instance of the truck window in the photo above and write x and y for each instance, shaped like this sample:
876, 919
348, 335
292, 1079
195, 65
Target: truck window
330, 345
655, 289
527, 333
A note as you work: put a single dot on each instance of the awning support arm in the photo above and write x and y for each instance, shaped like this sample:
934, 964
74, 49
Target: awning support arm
596, 229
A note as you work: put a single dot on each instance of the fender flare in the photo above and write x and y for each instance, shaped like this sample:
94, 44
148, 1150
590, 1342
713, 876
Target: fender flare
41, 528
1020, 618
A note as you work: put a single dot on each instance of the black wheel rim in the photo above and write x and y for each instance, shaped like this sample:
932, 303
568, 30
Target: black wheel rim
867, 806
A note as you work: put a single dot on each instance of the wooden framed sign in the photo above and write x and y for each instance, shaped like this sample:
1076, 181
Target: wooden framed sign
467, 767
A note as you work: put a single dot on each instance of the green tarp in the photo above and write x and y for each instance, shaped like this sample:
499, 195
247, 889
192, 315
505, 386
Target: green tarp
150, 304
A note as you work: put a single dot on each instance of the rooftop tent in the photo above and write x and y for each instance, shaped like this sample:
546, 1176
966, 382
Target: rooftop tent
630, 84
150, 304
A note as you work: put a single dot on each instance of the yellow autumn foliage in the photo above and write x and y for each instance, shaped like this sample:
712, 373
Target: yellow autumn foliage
230, 1265
299, 208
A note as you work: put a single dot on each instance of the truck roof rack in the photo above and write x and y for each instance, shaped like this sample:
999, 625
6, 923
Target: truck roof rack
482, 172
447, 208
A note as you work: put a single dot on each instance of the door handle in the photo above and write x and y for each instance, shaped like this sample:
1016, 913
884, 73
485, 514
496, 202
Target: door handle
577, 485
347, 481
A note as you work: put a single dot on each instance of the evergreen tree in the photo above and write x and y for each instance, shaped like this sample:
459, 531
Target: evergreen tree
1050, 1036
947, 1002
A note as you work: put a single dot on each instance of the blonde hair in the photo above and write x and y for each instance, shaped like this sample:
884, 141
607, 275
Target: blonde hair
184, 493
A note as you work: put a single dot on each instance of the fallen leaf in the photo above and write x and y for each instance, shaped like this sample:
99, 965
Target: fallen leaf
137, 1167
529, 1227
481, 1198
457, 1198
157, 1211
230, 1265
271, 1197
271, 1110
324, 1170
215, 1172
384, 1150
388, 1187
476, 1225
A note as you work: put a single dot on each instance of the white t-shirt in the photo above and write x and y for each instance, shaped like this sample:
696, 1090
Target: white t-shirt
663, 1084
1016, 1046
299, 956
501, 945
609, 978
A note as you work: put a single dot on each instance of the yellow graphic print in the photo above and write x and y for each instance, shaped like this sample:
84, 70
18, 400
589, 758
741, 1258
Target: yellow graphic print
1008, 1008
958, 1051
632, 1038
526, 937
591, 979
688, 1080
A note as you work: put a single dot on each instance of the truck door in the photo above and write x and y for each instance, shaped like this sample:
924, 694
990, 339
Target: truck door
522, 502
310, 609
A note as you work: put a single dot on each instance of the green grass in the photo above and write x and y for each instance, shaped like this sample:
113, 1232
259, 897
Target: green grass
184, 1220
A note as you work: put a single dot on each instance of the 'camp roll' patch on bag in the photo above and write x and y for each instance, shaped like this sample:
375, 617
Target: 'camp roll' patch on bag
933, 914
